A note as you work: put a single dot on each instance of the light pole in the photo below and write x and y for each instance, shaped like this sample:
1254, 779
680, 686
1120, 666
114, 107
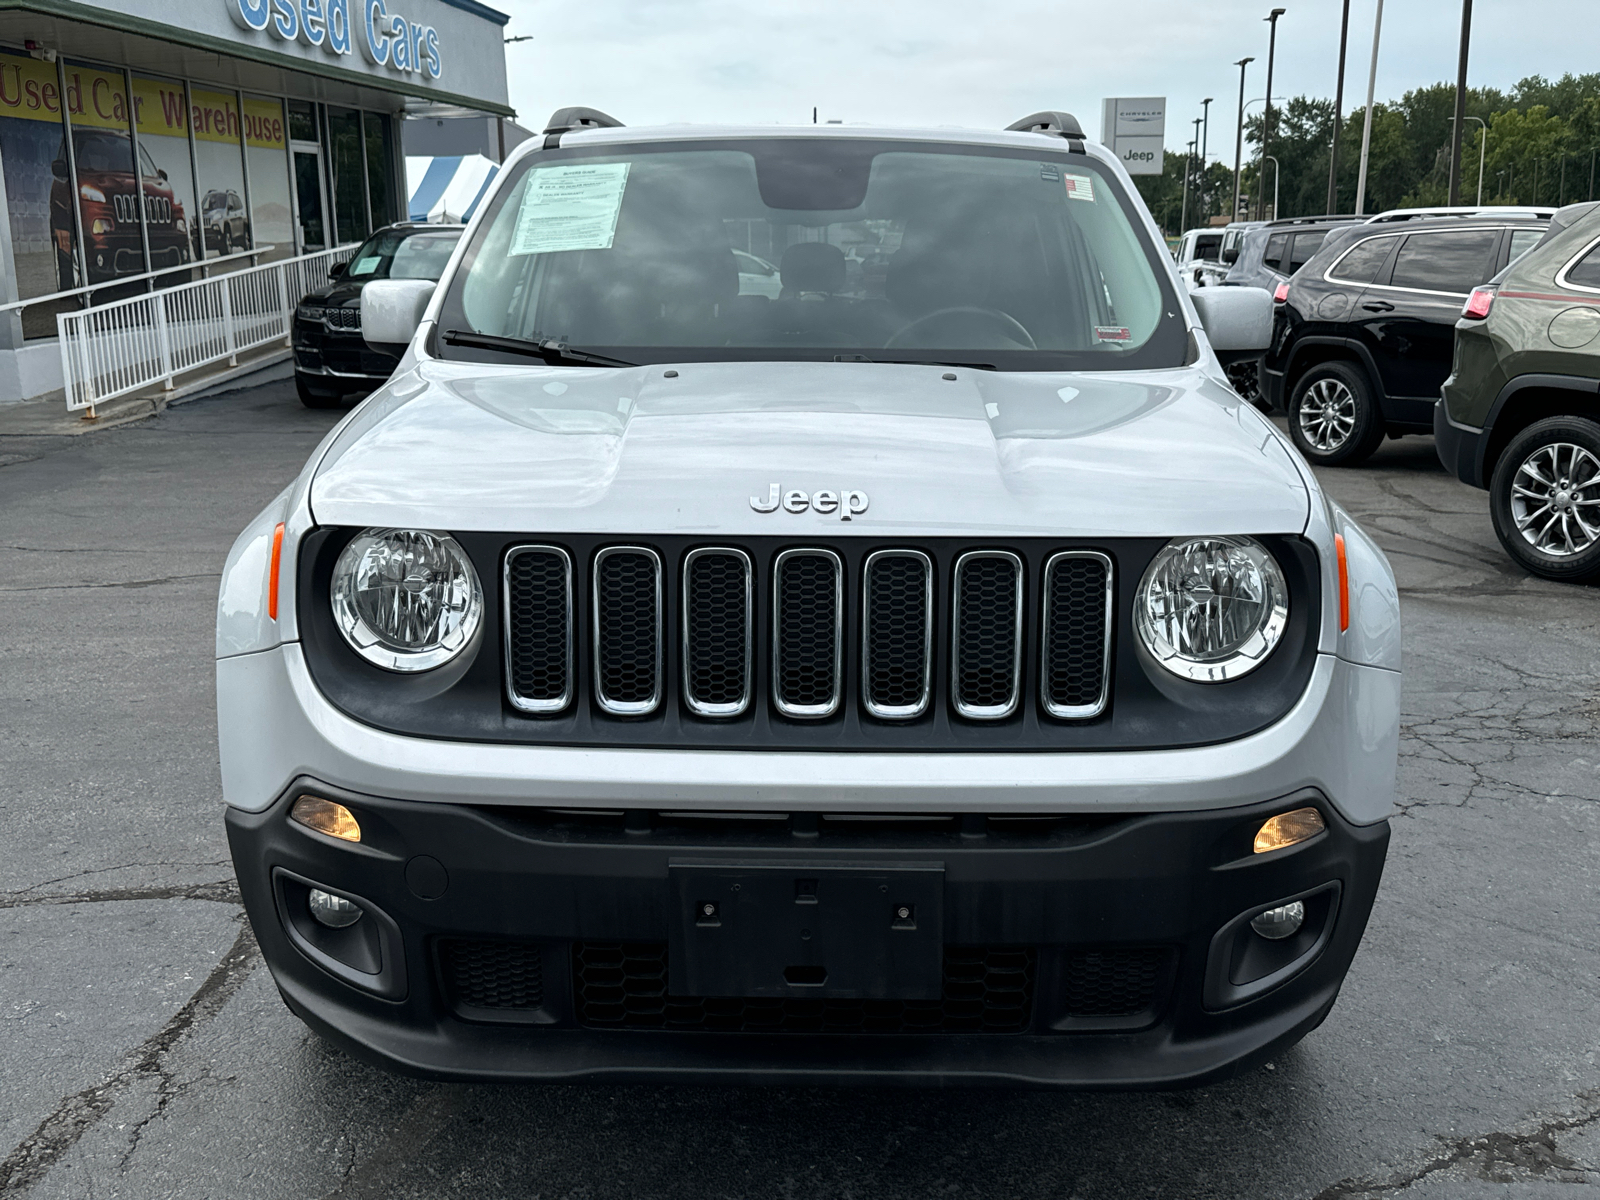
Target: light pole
1205, 141
1275, 172
1266, 113
1188, 169
1366, 131
1461, 105
1483, 151
1238, 145
1338, 115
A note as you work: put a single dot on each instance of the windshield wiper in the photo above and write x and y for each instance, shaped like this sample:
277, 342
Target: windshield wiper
914, 362
553, 352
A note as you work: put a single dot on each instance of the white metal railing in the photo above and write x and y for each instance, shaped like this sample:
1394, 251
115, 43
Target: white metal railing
121, 347
87, 291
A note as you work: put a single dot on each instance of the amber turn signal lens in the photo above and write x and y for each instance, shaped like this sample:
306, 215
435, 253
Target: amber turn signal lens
336, 820
1289, 829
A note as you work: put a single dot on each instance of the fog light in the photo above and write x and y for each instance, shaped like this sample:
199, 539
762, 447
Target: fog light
335, 820
1288, 829
1275, 924
338, 913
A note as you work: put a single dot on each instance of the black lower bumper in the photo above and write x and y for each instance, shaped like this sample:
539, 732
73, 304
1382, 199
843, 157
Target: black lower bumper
1460, 450
1105, 952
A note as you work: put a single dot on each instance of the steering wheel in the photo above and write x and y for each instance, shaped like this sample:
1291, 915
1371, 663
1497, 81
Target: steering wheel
1002, 320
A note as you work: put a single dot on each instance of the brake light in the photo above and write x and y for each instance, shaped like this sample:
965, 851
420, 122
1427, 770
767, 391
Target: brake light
1478, 304
1281, 293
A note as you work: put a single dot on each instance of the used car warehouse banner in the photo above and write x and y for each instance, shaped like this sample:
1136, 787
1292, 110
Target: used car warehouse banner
228, 217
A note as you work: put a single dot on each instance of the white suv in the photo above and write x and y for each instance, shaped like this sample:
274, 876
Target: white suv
931, 670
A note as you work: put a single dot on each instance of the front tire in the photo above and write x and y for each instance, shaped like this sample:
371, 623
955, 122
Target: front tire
1544, 499
1333, 415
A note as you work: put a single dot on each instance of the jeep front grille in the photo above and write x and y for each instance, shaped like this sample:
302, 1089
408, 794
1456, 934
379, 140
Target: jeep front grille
627, 630
808, 644
885, 636
718, 596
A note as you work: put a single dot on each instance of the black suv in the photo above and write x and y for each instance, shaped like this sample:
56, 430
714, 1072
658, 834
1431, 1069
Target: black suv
1264, 257
1364, 331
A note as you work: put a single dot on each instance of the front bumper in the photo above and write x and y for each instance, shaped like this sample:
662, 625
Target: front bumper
1109, 947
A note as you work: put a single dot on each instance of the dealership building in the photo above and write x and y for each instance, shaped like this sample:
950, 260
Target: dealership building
255, 131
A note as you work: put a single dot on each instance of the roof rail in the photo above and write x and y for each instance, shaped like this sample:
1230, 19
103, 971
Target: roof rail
1061, 124
1465, 210
564, 120
1325, 217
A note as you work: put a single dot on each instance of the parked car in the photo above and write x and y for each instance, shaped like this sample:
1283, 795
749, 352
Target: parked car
107, 191
331, 359
1364, 330
225, 223
954, 683
1197, 247
1274, 250
757, 277
1520, 413
1210, 274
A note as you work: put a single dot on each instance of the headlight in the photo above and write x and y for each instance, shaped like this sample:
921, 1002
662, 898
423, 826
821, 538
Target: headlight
89, 192
406, 599
1212, 609
309, 312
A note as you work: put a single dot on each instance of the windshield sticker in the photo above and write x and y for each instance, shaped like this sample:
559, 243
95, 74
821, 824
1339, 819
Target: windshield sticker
1113, 333
1080, 187
570, 208
365, 266
1049, 172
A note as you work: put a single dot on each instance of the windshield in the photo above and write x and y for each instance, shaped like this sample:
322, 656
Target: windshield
1021, 260
403, 255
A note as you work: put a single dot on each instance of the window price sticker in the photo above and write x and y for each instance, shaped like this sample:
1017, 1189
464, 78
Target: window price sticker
570, 208
1080, 187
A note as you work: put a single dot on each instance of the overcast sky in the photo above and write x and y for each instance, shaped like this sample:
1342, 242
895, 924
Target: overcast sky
987, 62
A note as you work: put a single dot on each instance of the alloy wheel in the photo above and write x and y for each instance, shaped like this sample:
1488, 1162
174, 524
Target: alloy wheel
1327, 415
1554, 498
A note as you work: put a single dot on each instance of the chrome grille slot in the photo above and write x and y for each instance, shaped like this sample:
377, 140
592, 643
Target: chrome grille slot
1074, 675
986, 662
538, 628
717, 604
627, 630
896, 642
808, 633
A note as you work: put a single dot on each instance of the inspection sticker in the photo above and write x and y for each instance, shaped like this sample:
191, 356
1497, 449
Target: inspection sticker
1113, 333
570, 208
1080, 187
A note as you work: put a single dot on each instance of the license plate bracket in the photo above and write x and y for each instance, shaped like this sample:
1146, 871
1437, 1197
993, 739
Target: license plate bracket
806, 929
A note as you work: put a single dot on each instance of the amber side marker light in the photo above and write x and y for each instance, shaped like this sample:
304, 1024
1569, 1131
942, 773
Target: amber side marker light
1344, 582
272, 574
1289, 829
336, 820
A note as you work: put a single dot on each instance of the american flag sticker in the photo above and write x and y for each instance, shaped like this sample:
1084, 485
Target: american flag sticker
1113, 333
1080, 187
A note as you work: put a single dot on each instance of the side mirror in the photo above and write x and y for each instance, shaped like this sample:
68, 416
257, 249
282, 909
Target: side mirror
337, 270
1237, 320
58, 169
1230, 254
161, 174
391, 310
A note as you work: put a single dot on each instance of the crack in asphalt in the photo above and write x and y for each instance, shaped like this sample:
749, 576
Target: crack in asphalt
36, 1154
44, 883
423, 1121
1500, 1157
221, 891
127, 583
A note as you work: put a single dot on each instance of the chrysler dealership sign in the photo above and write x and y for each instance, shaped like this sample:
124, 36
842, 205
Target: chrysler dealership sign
1135, 129
384, 37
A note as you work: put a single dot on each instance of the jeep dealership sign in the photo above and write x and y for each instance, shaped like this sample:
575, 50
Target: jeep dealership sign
1136, 129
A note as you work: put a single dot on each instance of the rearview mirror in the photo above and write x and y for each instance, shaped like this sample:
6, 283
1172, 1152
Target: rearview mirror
391, 310
1237, 320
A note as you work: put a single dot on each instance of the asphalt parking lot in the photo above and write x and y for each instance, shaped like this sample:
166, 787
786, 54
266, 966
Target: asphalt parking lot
145, 1052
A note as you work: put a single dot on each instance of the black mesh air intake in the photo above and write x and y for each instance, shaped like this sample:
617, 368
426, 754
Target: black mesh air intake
716, 632
539, 628
807, 642
899, 587
1115, 983
498, 975
987, 649
627, 650
987, 989
1077, 611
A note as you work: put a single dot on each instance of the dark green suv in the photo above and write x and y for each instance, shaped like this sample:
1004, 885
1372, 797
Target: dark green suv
1520, 413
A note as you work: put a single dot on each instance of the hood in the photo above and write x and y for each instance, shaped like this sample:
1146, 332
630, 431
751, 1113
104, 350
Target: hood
632, 451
